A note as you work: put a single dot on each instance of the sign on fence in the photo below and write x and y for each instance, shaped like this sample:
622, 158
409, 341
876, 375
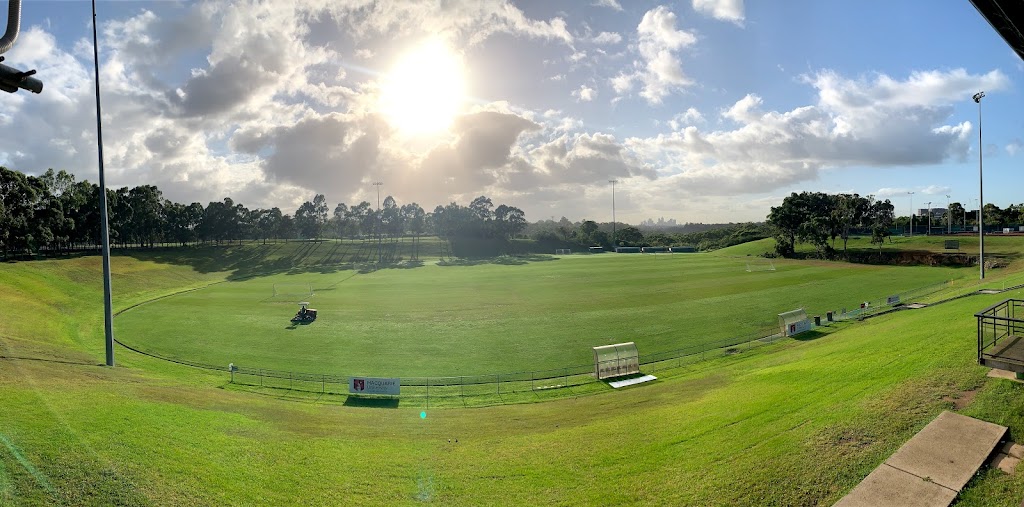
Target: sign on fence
952, 244
371, 385
892, 300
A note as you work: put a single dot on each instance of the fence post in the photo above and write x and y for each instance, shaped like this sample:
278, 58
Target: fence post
323, 384
533, 380
261, 377
289, 380
498, 383
462, 386
428, 392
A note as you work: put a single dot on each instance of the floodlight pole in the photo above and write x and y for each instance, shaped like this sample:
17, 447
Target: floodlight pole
614, 244
911, 213
929, 204
379, 218
108, 317
981, 192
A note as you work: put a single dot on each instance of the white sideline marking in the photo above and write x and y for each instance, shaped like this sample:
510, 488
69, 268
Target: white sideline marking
628, 382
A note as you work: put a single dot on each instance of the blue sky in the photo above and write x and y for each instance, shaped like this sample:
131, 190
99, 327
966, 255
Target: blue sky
704, 110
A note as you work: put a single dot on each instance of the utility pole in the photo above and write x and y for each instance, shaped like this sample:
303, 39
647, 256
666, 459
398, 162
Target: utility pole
108, 316
378, 184
614, 243
981, 192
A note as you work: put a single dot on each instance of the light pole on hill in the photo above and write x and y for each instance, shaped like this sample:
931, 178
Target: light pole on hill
108, 317
911, 194
981, 192
929, 204
614, 244
378, 184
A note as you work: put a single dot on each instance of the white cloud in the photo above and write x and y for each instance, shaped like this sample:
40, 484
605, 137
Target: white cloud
853, 123
612, 4
725, 10
557, 77
936, 190
891, 192
659, 68
1014, 146
688, 117
607, 38
584, 94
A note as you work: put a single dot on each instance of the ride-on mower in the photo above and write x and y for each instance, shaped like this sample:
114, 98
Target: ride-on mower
305, 314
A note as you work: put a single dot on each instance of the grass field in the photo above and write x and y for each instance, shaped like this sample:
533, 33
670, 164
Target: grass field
793, 423
499, 318
1005, 246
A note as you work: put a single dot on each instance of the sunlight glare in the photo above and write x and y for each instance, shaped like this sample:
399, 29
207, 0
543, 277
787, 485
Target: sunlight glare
425, 90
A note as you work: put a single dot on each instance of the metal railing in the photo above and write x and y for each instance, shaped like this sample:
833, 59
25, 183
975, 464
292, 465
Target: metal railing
996, 323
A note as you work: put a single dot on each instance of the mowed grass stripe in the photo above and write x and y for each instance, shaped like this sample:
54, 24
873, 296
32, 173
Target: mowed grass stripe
488, 319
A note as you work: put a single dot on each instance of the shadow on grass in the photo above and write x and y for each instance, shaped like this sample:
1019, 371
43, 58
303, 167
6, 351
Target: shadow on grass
807, 336
504, 260
358, 401
57, 361
251, 260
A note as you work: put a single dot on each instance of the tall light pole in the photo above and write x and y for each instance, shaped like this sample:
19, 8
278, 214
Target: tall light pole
911, 194
981, 192
929, 204
108, 317
378, 184
949, 216
614, 244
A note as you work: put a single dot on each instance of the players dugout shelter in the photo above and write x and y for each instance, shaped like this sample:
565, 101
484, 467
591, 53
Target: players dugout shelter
616, 360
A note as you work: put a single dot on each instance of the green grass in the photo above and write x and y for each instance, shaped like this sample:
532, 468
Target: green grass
995, 244
793, 423
494, 318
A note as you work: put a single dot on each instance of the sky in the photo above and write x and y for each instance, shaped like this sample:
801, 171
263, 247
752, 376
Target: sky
701, 110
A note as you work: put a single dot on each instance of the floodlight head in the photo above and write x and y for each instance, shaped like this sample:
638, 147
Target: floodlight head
12, 79
978, 96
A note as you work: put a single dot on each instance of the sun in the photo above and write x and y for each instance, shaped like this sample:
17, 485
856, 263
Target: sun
425, 90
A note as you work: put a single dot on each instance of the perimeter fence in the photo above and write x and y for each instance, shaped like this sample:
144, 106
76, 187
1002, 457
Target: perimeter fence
499, 384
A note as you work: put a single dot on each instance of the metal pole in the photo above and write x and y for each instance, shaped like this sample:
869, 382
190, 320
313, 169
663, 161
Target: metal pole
911, 214
614, 244
108, 314
929, 204
981, 193
378, 184
949, 216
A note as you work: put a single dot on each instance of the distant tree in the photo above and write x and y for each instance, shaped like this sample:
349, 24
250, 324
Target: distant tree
630, 236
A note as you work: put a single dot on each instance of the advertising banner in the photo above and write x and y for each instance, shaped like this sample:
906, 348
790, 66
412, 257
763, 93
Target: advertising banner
371, 385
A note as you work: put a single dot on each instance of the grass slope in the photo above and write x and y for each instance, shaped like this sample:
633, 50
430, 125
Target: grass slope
795, 423
499, 318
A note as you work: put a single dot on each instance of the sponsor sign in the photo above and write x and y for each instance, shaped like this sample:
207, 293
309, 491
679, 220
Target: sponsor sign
798, 327
952, 244
891, 300
372, 385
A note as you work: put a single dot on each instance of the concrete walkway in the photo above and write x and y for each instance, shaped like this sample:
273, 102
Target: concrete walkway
932, 467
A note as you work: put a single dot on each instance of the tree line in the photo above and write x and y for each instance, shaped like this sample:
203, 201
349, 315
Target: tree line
588, 233
55, 213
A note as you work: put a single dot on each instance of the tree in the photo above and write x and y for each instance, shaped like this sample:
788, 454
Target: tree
957, 214
415, 220
849, 212
630, 236
509, 221
880, 217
